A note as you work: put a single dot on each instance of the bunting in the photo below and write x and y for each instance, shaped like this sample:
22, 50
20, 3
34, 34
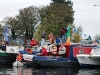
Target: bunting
68, 36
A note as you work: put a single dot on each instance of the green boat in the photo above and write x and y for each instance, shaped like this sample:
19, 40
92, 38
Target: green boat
9, 56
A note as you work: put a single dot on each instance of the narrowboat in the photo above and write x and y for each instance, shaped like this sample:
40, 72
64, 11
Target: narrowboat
69, 61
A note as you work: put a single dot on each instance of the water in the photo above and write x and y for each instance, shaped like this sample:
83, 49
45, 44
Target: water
47, 71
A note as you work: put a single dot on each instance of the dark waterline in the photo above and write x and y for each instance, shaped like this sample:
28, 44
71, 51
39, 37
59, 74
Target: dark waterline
7, 70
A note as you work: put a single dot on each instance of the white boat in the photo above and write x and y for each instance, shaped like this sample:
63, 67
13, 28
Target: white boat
92, 59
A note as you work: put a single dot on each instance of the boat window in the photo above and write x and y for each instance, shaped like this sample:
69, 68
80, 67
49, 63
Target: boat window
11, 50
81, 51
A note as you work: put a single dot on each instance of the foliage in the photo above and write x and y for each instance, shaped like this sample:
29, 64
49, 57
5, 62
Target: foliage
77, 36
54, 17
97, 37
24, 23
13, 25
1, 30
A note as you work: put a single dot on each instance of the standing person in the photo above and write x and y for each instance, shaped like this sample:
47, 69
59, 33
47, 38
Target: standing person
3, 46
64, 31
50, 37
43, 38
33, 42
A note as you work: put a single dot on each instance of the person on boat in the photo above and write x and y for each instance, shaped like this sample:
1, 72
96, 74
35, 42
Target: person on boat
33, 42
95, 42
63, 32
25, 42
58, 41
19, 57
43, 38
50, 37
3, 46
50, 49
54, 50
62, 50
27, 50
43, 52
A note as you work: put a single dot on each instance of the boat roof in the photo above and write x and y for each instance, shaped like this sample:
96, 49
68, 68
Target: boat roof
86, 42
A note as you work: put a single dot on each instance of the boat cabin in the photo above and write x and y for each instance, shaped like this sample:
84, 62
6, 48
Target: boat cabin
73, 50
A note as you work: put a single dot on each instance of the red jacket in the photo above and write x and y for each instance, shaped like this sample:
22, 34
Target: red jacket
33, 42
44, 52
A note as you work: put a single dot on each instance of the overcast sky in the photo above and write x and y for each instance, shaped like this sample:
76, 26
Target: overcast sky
86, 15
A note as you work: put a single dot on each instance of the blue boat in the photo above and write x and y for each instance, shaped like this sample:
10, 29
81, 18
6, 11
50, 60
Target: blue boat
57, 61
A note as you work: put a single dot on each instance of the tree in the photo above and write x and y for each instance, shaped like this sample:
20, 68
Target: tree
77, 34
1, 30
24, 23
97, 37
55, 17
58, 1
29, 17
13, 26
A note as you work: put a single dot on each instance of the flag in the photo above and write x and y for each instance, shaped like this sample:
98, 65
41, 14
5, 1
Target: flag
85, 35
68, 36
6, 34
89, 37
75, 30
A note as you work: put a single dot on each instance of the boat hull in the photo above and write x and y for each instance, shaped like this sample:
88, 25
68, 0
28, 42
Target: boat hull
7, 58
55, 62
88, 60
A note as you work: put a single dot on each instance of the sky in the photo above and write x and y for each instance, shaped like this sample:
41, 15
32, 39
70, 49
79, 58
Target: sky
86, 15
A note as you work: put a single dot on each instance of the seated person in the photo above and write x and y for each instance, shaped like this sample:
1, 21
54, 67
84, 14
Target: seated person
27, 50
3, 46
43, 52
58, 41
50, 48
62, 50
54, 50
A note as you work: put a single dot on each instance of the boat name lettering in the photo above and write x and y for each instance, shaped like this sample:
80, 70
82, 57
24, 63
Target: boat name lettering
28, 58
51, 59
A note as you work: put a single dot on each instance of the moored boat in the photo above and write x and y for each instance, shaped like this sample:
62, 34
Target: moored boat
90, 60
9, 56
69, 61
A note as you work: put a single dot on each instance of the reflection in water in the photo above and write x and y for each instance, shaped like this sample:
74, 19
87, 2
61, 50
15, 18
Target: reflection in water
47, 71
89, 72
16, 71
55, 71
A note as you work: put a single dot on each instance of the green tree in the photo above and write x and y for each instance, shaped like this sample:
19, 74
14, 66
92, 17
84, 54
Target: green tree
13, 26
24, 23
77, 36
1, 30
29, 17
54, 17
